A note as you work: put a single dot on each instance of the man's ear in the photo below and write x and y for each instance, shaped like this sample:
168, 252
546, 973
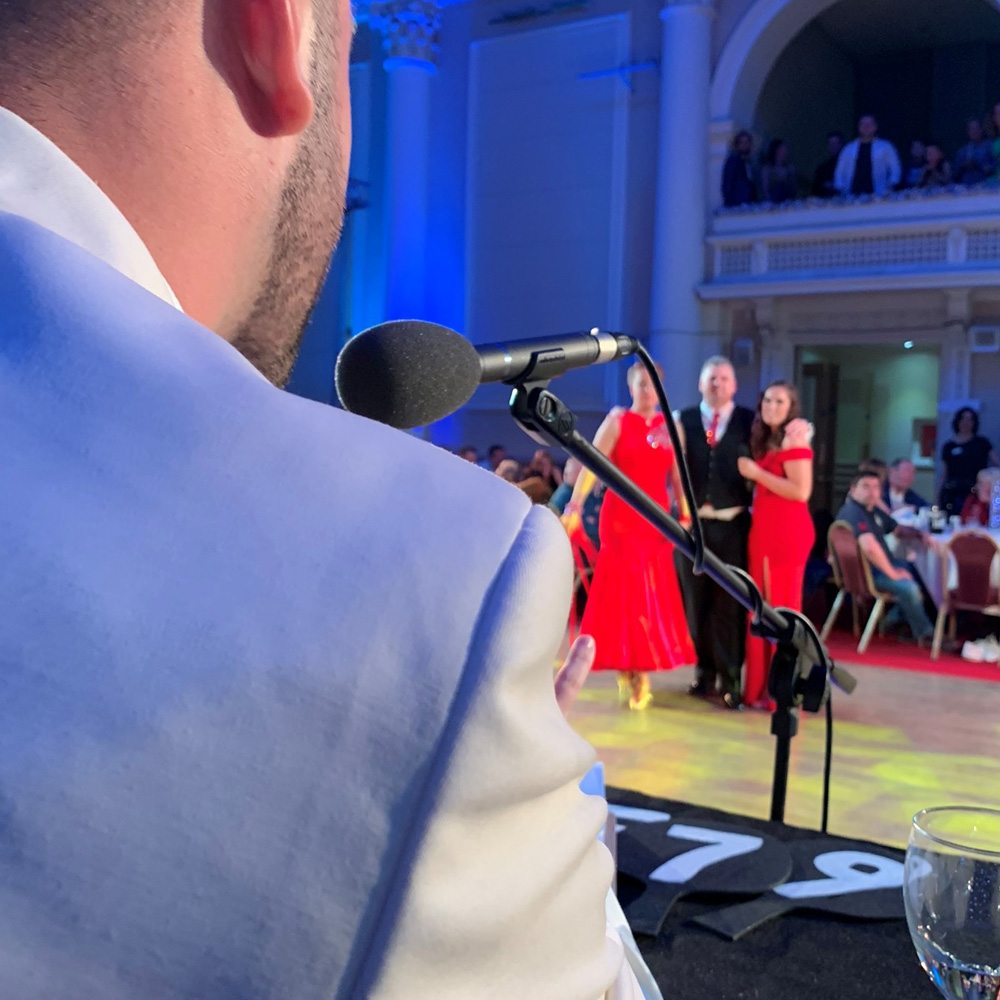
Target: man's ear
257, 47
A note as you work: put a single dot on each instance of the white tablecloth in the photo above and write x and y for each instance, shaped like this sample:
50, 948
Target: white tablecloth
928, 561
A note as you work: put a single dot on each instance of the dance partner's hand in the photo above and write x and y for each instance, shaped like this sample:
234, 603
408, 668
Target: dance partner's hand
573, 672
798, 434
748, 468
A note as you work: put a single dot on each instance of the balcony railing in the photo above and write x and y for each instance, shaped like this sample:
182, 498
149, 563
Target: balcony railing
948, 238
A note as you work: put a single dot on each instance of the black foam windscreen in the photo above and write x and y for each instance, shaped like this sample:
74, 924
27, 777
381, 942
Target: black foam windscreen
407, 373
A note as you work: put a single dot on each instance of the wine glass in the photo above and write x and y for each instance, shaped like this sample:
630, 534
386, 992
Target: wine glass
951, 888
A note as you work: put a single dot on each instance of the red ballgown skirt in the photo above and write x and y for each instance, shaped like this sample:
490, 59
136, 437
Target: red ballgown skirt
635, 611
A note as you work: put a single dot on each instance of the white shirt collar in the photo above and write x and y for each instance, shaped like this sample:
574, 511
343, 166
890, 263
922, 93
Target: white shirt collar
39, 182
725, 413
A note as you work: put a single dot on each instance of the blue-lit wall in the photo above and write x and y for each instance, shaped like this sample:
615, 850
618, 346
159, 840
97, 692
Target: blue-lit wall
540, 196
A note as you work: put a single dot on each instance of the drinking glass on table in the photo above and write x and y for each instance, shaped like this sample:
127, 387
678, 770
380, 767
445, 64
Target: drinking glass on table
951, 887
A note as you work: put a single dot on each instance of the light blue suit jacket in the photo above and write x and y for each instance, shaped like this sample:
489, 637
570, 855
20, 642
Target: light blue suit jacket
241, 637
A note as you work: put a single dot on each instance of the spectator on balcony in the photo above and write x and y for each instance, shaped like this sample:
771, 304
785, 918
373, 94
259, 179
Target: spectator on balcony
778, 179
738, 187
937, 169
993, 134
914, 171
823, 185
974, 162
868, 165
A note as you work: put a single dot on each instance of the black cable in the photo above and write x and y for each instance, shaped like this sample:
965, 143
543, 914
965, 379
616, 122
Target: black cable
695, 531
828, 761
757, 614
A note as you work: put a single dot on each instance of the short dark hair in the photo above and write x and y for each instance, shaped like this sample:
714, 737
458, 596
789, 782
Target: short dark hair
40, 28
835, 134
494, 448
862, 474
957, 419
897, 462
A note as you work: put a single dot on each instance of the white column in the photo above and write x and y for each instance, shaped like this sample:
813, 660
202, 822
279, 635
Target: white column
681, 195
955, 371
410, 29
777, 353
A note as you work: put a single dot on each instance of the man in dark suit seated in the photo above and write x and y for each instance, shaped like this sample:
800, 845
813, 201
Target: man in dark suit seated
898, 492
891, 574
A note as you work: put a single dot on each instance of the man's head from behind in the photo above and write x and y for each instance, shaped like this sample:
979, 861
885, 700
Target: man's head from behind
219, 128
865, 488
902, 474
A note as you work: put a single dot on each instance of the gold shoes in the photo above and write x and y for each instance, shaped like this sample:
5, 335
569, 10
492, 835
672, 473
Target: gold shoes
633, 687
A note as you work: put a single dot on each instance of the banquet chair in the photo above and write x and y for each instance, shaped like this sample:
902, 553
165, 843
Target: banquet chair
974, 588
853, 576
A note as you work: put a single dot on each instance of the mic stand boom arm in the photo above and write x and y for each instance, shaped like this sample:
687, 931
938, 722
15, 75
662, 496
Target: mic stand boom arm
800, 669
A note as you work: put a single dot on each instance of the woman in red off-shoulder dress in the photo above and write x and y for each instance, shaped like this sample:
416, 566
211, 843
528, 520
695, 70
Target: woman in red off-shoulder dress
635, 612
782, 532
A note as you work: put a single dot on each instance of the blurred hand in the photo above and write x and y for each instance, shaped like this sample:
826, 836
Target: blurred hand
573, 672
799, 434
748, 468
900, 574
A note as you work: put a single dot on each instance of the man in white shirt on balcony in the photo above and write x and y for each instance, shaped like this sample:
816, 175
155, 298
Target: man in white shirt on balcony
868, 165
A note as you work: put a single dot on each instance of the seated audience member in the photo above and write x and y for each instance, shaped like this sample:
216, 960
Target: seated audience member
890, 574
509, 470
974, 162
469, 453
738, 186
545, 468
496, 454
564, 491
590, 506
914, 169
536, 489
823, 185
897, 491
878, 468
868, 165
537, 478
937, 169
978, 504
777, 178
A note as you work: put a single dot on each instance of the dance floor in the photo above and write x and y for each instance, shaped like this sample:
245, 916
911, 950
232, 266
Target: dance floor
904, 740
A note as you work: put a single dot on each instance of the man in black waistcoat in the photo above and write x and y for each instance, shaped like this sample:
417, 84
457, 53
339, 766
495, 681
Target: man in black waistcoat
715, 435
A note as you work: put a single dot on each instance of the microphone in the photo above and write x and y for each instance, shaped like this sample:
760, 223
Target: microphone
407, 373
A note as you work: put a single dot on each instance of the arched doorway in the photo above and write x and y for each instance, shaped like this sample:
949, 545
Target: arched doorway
800, 68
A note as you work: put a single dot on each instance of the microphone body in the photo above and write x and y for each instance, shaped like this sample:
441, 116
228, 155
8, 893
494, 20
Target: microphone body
547, 357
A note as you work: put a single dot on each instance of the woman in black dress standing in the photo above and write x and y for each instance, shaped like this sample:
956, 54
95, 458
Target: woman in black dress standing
964, 456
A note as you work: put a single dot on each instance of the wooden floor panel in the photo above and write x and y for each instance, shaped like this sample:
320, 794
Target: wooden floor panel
902, 741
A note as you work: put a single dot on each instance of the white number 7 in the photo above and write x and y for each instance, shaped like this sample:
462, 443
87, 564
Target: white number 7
720, 846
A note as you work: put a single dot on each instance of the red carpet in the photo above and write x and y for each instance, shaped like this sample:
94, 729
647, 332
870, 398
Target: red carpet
895, 655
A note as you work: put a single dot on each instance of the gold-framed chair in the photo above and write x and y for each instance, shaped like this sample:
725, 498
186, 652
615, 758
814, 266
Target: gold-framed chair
853, 575
974, 553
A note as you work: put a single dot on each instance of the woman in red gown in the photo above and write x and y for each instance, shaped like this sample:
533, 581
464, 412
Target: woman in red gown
781, 533
635, 612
